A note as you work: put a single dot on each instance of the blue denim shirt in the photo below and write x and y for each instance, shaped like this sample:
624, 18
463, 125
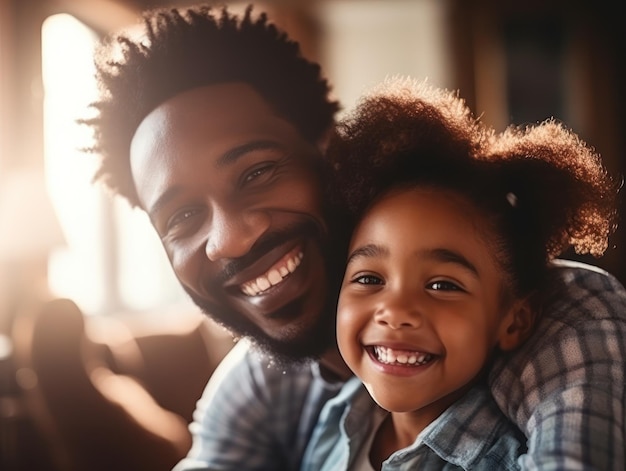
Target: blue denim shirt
255, 415
470, 434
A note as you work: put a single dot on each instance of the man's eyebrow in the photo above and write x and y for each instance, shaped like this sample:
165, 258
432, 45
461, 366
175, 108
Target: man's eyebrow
162, 200
235, 153
228, 157
445, 255
369, 250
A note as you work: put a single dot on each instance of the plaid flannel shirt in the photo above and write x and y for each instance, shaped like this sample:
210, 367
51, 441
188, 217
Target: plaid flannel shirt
564, 388
255, 415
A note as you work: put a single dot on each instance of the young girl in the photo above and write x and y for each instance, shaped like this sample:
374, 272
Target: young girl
455, 230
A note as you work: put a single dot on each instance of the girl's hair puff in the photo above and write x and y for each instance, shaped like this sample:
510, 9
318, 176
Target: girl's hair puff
542, 188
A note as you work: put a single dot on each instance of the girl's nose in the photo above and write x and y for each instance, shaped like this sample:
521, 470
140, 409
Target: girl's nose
398, 311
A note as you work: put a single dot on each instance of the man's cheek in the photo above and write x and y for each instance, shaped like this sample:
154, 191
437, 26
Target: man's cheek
186, 267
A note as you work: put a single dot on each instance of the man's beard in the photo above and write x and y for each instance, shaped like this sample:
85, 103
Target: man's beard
297, 343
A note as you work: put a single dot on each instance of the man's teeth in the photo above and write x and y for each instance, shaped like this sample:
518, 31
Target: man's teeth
273, 277
402, 357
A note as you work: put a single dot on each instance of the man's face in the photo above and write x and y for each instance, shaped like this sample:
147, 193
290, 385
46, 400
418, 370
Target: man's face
233, 191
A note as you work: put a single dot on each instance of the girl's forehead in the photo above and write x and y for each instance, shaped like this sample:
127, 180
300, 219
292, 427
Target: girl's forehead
430, 214
422, 208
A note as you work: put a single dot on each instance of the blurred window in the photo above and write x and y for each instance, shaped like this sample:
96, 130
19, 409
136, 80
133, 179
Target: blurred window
114, 260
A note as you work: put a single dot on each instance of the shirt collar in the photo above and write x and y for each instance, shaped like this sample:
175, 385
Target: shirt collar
461, 435
465, 431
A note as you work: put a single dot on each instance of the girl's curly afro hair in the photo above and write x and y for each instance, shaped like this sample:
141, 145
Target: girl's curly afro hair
544, 188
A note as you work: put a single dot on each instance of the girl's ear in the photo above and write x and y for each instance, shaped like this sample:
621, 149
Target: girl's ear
517, 325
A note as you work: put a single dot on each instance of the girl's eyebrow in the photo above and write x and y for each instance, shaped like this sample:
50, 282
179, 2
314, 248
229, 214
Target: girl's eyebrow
450, 256
369, 250
439, 254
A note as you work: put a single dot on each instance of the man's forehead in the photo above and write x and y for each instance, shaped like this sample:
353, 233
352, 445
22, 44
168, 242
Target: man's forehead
199, 100
201, 127
221, 108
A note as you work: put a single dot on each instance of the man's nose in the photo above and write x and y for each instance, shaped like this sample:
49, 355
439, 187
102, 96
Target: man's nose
399, 310
233, 234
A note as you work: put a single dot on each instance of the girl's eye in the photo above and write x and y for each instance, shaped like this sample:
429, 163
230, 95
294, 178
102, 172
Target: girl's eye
368, 280
443, 285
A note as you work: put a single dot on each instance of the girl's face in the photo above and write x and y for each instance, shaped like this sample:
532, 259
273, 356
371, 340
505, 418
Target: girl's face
420, 306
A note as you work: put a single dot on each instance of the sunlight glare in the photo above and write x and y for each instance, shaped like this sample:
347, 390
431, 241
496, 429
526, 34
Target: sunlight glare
67, 63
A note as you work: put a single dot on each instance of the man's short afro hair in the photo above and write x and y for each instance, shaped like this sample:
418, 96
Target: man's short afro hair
182, 50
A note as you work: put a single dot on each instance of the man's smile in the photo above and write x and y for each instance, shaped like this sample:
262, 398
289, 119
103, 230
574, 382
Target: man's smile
277, 279
275, 274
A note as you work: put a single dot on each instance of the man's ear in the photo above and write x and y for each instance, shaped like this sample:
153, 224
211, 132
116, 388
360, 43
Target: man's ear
517, 325
324, 140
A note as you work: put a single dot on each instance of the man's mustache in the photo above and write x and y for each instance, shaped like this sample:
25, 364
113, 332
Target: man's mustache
265, 243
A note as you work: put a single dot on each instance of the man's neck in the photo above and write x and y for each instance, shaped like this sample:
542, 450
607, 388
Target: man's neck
333, 368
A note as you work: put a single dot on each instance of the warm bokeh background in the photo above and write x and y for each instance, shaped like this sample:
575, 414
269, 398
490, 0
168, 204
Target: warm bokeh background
61, 237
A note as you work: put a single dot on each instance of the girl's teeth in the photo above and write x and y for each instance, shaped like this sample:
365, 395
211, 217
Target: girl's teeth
389, 356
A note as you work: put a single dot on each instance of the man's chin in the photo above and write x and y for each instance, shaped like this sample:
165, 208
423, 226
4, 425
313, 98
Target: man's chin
299, 349
298, 343
301, 342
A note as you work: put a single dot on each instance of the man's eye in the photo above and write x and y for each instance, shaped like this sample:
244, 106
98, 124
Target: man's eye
368, 280
257, 172
443, 285
180, 218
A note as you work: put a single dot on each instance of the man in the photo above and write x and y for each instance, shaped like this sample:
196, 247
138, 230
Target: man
215, 127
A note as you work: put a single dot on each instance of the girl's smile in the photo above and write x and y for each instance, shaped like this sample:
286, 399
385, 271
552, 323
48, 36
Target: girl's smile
420, 308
